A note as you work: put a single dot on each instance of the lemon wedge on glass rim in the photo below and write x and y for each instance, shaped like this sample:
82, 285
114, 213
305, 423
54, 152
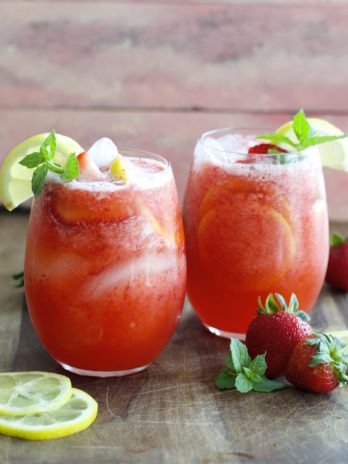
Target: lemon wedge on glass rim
75, 415
15, 179
333, 154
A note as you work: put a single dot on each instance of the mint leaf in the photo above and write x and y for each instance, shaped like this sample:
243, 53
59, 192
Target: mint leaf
48, 147
243, 384
267, 385
18, 279
43, 162
336, 239
228, 361
240, 355
301, 126
258, 364
319, 139
251, 375
276, 139
224, 381
71, 169
38, 180
244, 374
304, 134
32, 161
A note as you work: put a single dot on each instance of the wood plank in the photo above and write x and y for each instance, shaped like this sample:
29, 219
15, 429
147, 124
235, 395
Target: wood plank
119, 55
172, 135
173, 413
316, 3
12, 239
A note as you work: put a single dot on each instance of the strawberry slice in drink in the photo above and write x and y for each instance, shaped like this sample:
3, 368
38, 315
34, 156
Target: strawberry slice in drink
114, 207
88, 168
81, 209
264, 149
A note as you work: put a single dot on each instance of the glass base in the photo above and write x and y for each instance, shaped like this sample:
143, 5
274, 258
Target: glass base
224, 333
89, 373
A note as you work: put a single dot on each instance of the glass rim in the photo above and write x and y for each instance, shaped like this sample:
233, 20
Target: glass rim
130, 152
247, 131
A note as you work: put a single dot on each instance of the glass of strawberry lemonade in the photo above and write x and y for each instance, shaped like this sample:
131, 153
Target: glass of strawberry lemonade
105, 267
255, 223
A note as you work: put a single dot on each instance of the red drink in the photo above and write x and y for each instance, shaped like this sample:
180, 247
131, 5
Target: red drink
254, 225
105, 269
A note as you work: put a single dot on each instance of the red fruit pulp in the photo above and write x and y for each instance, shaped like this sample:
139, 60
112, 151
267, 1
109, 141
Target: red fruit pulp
263, 148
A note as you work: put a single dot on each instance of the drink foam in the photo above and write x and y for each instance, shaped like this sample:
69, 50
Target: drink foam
225, 152
142, 174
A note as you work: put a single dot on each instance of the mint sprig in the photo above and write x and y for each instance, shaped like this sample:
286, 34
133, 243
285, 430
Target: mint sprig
243, 373
337, 239
42, 162
305, 135
18, 279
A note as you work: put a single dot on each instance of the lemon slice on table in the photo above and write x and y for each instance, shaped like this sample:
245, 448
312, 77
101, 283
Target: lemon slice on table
333, 154
78, 413
342, 334
15, 179
32, 392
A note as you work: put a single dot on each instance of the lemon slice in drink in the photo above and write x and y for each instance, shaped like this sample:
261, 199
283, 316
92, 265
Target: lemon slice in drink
333, 154
342, 334
15, 179
78, 413
32, 392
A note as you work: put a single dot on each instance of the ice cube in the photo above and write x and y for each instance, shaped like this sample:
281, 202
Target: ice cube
148, 268
103, 152
207, 152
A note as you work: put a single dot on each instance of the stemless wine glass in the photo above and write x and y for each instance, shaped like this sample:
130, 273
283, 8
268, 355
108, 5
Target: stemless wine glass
105, 268
254, 224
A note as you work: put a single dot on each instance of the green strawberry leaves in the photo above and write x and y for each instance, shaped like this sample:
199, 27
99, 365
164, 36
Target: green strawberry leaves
42, 162
243, 373
330, 350
304, 134
276, 303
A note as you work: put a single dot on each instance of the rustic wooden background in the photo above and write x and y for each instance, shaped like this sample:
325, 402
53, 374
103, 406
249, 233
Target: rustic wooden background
156, 74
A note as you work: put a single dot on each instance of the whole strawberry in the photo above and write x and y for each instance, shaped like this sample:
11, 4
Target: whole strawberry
276, 330
337, 270
318, 364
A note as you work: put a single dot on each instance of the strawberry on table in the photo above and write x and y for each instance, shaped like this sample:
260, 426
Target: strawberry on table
318, 364
276, 330
337, 270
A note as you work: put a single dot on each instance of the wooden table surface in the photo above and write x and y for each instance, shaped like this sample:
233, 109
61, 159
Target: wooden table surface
172, 412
